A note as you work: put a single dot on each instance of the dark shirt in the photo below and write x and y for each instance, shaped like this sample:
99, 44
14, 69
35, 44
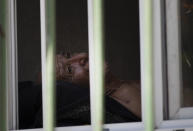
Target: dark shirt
72, 106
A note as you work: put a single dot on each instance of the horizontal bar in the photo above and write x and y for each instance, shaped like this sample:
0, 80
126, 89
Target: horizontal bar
96, 62
146, 47
48, 62
3, 41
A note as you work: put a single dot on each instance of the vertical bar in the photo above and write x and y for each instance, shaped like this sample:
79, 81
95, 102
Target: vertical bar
3, 42
146, 42
12, 75
96, 62
174, 56
48, 62
159, 61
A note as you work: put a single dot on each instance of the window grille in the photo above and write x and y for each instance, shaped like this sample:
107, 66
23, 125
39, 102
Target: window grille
151, 40
95, 8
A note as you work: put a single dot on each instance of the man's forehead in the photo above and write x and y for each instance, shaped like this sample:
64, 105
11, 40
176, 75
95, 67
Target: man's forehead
76, 57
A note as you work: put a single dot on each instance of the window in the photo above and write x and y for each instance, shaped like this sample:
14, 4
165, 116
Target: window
121, 44
170, 54
186, 52
179, 74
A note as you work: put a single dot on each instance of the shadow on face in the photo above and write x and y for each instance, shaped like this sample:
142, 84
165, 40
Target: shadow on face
73, 68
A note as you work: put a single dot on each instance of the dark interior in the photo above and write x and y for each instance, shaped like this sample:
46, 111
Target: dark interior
121, 48
187, 51
121, 35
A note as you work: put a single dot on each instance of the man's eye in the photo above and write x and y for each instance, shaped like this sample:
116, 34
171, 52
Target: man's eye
83, 61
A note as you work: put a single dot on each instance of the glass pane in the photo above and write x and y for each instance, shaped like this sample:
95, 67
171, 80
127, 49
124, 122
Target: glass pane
29, 61
187, 52
122, 53
122, 84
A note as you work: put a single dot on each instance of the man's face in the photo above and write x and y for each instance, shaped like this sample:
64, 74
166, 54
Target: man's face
73, 68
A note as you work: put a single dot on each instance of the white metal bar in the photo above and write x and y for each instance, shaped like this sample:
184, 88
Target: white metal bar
132, 126
174, 55
12, 70
183, 123
146, 53
171, 125
184, 113
48, 62
137, 126
96, 62
163, 129
175, 129
159, 72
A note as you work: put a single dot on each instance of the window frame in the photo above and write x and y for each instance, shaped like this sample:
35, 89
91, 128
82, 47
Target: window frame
174, 61
160, 81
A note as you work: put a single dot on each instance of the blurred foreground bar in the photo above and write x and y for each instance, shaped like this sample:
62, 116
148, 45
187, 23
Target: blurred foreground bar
48, 62
146, 47
96, 62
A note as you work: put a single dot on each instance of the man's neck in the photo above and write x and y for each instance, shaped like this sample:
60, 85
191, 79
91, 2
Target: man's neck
111, 82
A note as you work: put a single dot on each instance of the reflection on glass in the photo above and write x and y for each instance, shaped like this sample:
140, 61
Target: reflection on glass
187, 52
